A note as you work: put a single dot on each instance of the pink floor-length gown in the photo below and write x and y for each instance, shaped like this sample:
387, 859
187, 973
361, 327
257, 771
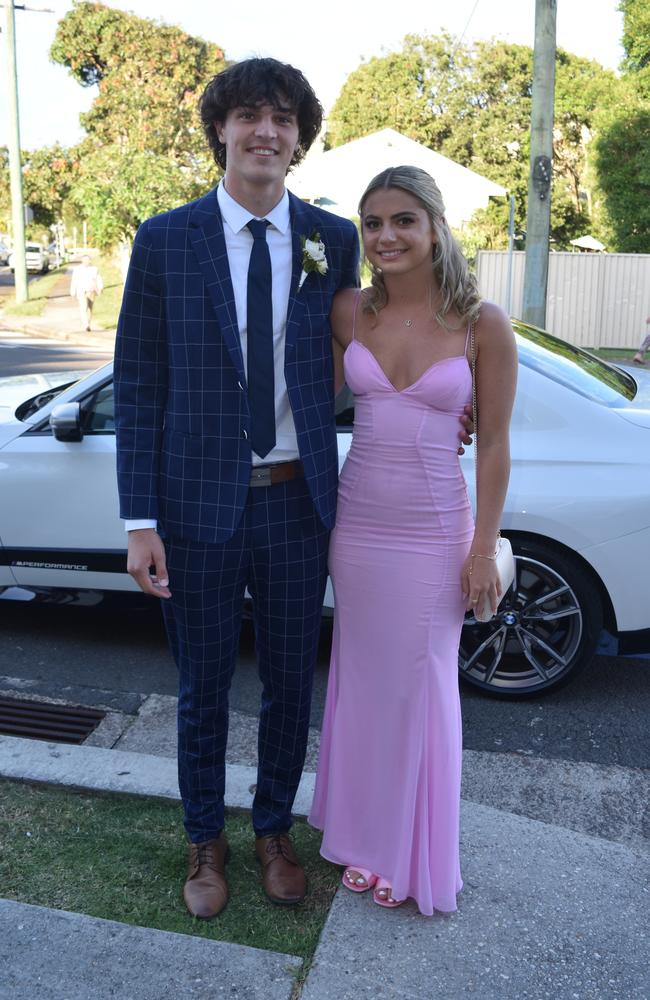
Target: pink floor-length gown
387, 791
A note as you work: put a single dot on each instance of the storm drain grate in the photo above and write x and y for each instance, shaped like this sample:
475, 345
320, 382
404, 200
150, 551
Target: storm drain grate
38, 720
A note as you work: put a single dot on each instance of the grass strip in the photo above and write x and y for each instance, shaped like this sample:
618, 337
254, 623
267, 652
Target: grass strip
123, 858
622, 354
39, 290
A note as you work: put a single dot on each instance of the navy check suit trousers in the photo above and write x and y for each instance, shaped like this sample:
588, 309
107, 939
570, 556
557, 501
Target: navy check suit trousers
280, 552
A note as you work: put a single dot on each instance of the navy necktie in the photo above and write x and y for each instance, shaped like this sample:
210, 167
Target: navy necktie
259, 311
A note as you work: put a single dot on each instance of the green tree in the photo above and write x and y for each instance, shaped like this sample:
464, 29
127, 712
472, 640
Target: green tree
48, 174
622, 168
472, 103
5, 189
145, 150
622, 147
387, 90
636, 42
114, 196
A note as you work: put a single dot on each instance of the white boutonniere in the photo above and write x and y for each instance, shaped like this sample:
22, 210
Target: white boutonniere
313, 257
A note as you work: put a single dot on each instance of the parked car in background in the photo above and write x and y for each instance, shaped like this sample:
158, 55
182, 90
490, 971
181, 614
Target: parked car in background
56, 257
4, 254
577, 511
37, 258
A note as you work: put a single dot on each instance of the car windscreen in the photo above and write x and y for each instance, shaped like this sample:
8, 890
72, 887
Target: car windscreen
572, 367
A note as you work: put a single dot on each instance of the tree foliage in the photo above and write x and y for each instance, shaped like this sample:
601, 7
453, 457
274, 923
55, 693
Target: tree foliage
472, 103
622, 147
145, 150
5, 189
48, 174
636, 42
623, 164
114, 200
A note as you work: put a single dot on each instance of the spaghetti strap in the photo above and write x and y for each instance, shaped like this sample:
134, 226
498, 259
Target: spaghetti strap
356, 306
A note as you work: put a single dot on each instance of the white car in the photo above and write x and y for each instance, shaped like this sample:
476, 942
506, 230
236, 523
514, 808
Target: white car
37, 258
577, 512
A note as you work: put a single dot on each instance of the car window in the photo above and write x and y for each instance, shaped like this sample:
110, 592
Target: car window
573, 367
32, 405
98, 412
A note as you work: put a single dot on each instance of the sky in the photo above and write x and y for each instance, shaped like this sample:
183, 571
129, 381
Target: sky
326, 41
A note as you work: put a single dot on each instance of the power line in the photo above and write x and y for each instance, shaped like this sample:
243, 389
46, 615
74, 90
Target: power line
462, 34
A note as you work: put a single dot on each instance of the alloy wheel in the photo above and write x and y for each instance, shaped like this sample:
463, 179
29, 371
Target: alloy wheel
534, 638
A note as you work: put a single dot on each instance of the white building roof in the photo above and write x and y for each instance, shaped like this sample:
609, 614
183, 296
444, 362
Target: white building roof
337, 179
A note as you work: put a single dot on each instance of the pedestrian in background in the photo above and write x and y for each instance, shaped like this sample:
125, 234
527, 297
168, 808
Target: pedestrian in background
639, 357
85, 286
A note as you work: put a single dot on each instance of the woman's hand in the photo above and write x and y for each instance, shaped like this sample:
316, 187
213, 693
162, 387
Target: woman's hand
480, 583
467, 428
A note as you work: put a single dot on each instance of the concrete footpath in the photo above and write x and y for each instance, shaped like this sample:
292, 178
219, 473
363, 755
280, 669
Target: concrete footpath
546, 912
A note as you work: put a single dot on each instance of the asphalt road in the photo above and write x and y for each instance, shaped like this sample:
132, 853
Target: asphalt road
110, 655
21, 355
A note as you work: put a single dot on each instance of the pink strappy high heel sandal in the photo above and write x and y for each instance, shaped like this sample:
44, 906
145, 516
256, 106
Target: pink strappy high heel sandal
353, 883
387, 901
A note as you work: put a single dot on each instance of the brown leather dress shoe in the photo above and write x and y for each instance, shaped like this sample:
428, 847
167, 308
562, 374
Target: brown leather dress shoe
283, 877
206, 891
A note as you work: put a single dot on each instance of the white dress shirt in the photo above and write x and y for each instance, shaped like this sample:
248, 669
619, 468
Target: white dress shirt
239, 243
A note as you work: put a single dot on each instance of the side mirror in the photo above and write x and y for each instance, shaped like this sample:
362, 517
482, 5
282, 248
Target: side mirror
65, 421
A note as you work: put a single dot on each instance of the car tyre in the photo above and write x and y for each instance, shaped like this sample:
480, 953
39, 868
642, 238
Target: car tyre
546, 630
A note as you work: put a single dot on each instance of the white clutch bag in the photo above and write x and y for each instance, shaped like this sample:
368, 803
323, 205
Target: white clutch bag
505, 560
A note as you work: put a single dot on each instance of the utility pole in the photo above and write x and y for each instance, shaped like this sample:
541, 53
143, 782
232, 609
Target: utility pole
15, 168
541, 155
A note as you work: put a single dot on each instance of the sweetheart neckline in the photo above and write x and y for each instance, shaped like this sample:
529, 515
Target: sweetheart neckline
441, 361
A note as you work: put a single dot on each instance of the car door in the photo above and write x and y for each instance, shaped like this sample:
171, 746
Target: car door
60, 524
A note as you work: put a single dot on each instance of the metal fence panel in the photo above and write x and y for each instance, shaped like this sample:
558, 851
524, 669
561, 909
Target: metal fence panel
593, 299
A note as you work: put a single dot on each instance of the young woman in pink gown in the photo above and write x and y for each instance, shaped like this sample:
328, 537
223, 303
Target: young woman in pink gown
406, 558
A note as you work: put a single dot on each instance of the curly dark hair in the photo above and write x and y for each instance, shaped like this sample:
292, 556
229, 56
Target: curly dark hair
260, 81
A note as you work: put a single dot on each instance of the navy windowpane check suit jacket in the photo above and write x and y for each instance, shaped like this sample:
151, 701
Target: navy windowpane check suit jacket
182, 416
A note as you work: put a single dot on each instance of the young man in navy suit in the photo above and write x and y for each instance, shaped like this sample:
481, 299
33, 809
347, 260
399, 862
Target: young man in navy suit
227, 455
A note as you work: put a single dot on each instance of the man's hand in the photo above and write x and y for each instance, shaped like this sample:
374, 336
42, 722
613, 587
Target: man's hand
466, 428
146, 550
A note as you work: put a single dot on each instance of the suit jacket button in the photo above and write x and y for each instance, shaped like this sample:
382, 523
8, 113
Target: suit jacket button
245, 435
240, 386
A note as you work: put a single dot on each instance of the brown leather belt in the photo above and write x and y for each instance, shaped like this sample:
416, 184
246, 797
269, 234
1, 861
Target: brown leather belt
282, 472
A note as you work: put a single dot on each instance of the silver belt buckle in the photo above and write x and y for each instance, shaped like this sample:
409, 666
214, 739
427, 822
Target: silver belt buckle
261, 475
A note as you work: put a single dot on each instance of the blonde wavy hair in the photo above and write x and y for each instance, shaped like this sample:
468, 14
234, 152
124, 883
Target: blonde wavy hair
458, 287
